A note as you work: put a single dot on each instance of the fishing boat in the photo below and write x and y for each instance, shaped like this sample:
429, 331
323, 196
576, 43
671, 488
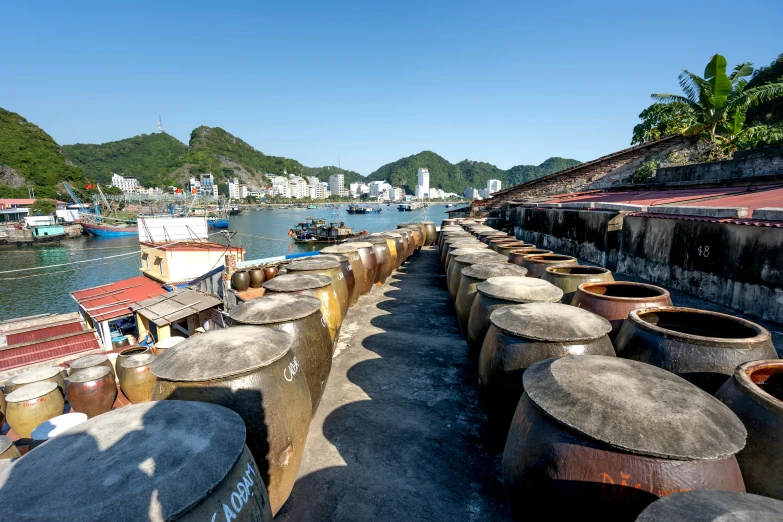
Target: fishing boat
404, 208
316, 230
353, 208
107, 230
235, 210
367, 209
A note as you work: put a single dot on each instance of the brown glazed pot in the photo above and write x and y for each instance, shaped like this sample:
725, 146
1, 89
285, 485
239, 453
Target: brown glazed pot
713, 506
327, 267
124, 354
240, 280
463, 247
368, 262
8, 449
270, 272
454, 275
300, 317
755, 394
507, 248
454, 241
410, 242
615, 300
383, 258
30, 405
430, 231
521, 335
177, 460
318, 286
40, 374
89, 361
418, 236
92, 391
604, 435
568, 278
347, 271
485, 237
351, 251
2, 407
391, 245
137, 379
497, 292
399, 246
251, 370
469, 280
537, 264
517, 256
702, 347
257, 277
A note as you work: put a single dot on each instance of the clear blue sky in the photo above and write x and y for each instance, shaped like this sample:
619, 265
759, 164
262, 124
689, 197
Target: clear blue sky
504, 82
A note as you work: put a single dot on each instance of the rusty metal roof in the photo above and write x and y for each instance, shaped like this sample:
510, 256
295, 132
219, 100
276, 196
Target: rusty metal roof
174, 306
114, 300
26, 353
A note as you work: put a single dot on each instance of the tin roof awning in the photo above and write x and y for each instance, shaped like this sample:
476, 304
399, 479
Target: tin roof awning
112, 301
174, 306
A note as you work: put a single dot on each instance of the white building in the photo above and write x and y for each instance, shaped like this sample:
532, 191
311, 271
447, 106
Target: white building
493, 185
470, 193
204, 186
483, 193
377, 189
357, 189
298, 188
237, 190
280, 186
397, 194
337, 184
124, 183
424, 183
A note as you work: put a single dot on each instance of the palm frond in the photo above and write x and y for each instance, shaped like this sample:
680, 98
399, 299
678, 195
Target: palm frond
692, 85
675, 98
741, 71
758, 95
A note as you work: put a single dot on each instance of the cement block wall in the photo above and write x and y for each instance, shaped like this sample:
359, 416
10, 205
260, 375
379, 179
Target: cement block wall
755, 165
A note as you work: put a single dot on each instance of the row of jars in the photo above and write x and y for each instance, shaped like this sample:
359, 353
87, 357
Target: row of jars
603, 368
270, 368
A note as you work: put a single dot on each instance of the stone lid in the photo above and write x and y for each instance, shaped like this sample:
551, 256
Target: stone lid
275, 308
55, 426
394, 233
484, 270
169, 342
713, 506
466, 250
297, 282
635, 407
345, 248
520, 289
313, 263
87, 361
31, 391
222, 353
335, 257
36, 374
469, 243
375, 240
482, 256
552, 322
5, 442
142, 359
93, 373
113, 464
356, 244
427, 222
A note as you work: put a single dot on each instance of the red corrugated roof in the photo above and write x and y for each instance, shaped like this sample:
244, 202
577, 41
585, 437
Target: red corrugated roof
27, 335
750, 200
113, 300
47, 349
735, 221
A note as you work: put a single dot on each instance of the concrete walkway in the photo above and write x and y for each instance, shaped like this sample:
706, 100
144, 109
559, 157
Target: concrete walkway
399, 434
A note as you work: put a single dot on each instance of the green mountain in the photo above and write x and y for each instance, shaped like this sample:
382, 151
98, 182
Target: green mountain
29, 156
150, 158
323, 174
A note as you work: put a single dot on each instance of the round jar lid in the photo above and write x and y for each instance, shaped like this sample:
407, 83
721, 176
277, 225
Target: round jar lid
552, 322
88, 360
520, 289
713, 506
36, 374
313, 263
465, 250
113, 464
377, 240
93, 373
222, 353
169, 342
635, 407
482, 256
484, 270
275, 308
345, 248
335, 257
5, 443
297, 282
55, 426
356, 244
31, 391
137, 361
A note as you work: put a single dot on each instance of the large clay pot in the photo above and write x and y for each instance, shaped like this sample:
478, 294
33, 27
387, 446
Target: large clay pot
88, 361
315, 285
522, 335
460, 249
700, 346
351, 252
137, 379
33, 375
418, 236
55, 426
713, 506
240, 280
2, 407
450, 237
603, 435
257, 277
160, 347
568, 278
485, 237
392, 246
506, 248
30, 405
299, 316
537, 264
497, 292
467, 241
755, 394
124, 354
615, 300
369, 263
470, 278
7, 448
327, 267
431, 232
518, 255
454, 275
410, 242
92, 391
347, 271
175, 460
399, 246
251, 370
383, 260
270, 271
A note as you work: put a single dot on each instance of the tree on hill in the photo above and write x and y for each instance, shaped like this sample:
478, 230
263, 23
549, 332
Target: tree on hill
770, 112
43, 207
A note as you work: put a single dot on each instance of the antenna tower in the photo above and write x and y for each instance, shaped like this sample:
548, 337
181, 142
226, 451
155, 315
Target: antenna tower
160, 125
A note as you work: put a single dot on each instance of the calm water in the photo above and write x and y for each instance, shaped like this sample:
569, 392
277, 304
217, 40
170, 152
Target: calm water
38, 291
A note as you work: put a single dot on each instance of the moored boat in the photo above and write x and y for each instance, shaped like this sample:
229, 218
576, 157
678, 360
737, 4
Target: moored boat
316, 230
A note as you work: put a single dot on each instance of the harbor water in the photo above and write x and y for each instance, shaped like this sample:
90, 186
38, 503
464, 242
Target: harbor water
87, 262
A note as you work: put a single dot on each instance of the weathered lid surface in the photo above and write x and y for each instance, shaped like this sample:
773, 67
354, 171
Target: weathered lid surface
169, 342
553, 322
89, 360
222, 353
93, 373
142, 359
297, 282
5, 442
482, 256
345, 248
31, 391
635, 407
313, 263
275, 308
520, 289
461, 251
340, 258
484, 270
57, 425
153, 461
713, 506
357, 244
377, 240
37, 374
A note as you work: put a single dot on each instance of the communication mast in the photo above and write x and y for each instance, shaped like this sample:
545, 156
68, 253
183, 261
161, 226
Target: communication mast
160, 125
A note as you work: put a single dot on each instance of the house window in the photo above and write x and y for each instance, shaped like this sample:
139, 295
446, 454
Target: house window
159, 262
146, 260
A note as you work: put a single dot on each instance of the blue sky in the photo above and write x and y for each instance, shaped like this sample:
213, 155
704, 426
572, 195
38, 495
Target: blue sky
504, 82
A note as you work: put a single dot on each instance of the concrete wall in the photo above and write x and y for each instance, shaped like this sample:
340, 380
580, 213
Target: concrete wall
738, 266
756, 165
